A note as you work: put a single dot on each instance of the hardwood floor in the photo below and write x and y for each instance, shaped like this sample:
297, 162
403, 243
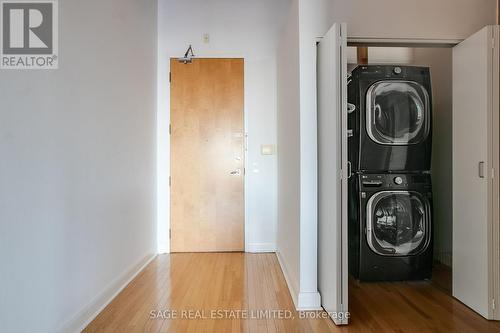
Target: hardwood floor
172, 285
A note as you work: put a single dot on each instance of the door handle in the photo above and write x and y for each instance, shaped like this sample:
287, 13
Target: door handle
349, 169
236, 172
481, 169
351, 108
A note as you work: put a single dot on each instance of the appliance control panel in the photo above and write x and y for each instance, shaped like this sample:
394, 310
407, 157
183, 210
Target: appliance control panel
373, 180
394, 181
389, 71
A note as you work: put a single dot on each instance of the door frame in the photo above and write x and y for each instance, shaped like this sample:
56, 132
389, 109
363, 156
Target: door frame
402, 42
245, 152
495, 228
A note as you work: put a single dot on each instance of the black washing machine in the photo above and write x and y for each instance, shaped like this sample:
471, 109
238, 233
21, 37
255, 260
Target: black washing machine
390, 229
390, 118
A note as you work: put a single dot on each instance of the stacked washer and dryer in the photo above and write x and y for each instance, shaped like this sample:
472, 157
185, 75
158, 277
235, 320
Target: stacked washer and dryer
390, 193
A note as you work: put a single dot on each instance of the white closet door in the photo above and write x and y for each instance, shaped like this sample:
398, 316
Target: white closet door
332, 172
475, 153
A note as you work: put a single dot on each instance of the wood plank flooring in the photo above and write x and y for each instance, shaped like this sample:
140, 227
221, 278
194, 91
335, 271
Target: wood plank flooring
174, 285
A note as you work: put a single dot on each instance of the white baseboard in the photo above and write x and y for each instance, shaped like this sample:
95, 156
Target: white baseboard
260, 247
303, 301
163, 248
82, 318
292, 286
309, 301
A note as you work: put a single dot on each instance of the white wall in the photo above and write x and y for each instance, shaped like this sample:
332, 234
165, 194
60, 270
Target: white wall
314, 21
77, 176
297, 127
288, 246
237, 28
431, 19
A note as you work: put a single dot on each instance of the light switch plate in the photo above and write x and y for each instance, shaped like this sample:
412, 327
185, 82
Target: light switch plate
267, 149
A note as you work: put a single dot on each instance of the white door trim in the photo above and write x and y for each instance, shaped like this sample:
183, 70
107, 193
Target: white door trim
408, 42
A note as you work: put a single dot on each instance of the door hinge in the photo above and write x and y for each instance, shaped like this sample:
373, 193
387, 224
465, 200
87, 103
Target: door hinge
170, 77
169, 181
170, 129
492, 173
169, 233
493, 305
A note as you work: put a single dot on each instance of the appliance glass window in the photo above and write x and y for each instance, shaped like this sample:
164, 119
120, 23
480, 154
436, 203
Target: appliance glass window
398, 223
397, 112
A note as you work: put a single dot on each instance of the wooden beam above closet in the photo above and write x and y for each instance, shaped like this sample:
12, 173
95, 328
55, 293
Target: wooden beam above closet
362, 55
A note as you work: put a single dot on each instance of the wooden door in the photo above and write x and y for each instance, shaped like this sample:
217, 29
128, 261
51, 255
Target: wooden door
475, 180
207, 155
332, 162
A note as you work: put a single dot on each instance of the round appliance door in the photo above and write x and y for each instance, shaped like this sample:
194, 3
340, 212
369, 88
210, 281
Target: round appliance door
398, 223
397, 112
